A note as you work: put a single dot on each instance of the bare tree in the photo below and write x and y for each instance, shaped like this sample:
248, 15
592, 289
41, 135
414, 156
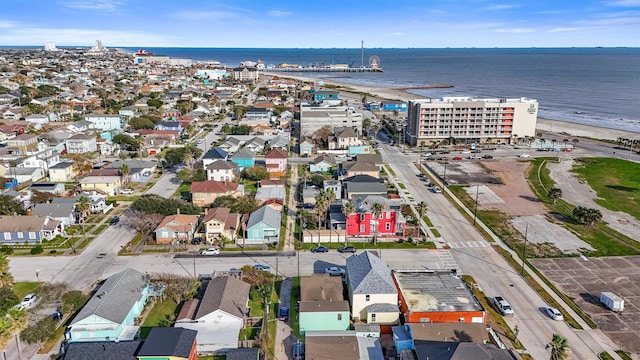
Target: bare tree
176, 287
142, 222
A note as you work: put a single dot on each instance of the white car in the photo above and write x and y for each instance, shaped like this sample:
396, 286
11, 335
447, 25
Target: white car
28, 301
524, 155
554, 313
334, 271
210, 251
126, 191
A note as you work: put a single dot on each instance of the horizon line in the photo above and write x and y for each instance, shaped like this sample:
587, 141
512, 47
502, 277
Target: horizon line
323, 48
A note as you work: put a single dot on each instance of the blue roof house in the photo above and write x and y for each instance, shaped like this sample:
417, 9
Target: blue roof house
245, 158
263, 227
392, 105
111, 312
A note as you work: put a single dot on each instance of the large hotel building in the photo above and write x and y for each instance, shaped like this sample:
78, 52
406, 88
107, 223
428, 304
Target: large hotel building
466, 120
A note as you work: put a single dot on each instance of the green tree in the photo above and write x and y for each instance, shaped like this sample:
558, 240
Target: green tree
83, 206
124, 172
376, 210
129, 142
8, 299
141, 123
9, 206
40, 331
151, 204
559, 347
185, 154
421, 209
155, 103
366, 125
555, 194
255, 173
587, 216
73, 300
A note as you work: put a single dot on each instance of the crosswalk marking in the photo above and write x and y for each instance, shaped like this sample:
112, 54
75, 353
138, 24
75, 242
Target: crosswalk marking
447, 260
467, 244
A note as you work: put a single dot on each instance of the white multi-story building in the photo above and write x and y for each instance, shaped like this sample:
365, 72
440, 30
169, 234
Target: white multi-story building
49, 46
106, 122
81, 144
313, 118
469, 120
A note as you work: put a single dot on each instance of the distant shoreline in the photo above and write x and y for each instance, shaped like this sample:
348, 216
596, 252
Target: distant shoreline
546, 125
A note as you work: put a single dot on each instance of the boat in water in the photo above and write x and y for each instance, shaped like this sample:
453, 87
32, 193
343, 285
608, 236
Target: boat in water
143, 53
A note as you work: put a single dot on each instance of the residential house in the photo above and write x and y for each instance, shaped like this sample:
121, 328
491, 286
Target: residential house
243, 354
128, 111
42, 159
30, 229
213, 155
342, 345
25, 143
306, 147
362, 185
27, 174
109, 148
262, 129
170, 125
50, 187
360, 149
322, 164
279, 142
112, 311
12, 114
63, 212
345, 138
255, 144
81, 144
230, 145
276, 162
222, 171
97, 202
106, 122
218, 316
139, 170
309, 194
373, 158
220, 223
110, 185
178, 227
37, 120
171, 343
263, 227
103, 350
372, 292
204, 193
322, 304
63, 172
364, 221
353, 168
256, 113
245, 158
335, 186
273, 197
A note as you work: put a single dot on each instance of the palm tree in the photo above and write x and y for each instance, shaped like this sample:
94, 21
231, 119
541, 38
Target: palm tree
347, 209
321, 205
421, 208
83, 207
555, 193
564, 143
575, 142
559, 347
125, 174
366, 124
376, 210
376, 130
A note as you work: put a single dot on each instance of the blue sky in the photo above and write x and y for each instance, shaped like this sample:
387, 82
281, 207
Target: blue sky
322, 24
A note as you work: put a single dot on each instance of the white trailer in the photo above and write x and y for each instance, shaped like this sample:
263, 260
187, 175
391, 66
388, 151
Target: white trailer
612, 301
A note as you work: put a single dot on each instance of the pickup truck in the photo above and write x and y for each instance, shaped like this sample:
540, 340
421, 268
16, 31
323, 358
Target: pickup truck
502, 306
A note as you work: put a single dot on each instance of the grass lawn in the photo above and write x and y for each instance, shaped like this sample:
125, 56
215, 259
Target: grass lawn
183, 190
293, 314
161, 313
25, 287
616, 182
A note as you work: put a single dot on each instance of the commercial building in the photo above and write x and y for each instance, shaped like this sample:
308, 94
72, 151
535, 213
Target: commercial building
313, 118
469, 120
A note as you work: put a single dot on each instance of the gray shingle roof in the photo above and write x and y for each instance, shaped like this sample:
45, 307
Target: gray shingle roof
115, 297
368, 274
103, 350
168, 341
56, 210
216, 153
227, 294
382, 308
265, 214
244, 153
243, 354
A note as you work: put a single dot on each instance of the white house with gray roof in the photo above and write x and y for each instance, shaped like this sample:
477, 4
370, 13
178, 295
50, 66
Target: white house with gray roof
372, 292
111, 312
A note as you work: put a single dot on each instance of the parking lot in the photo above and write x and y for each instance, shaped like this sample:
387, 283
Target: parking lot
584, 280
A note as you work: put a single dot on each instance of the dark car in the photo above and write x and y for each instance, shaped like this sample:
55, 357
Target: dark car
487, 156
114, 220
347, 249
298, 350
284, 313
320, 249
57, 315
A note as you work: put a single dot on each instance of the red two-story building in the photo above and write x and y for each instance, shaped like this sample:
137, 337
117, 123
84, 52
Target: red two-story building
364, 222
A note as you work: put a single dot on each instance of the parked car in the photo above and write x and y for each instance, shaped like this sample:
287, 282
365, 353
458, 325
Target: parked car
262, 267
196, 241
320, 249
334, 271
58, 315
476, 151
457, 158
298, 350
347, 249
554, 313
114, 220
487, 156
284, 313
524, 155
28, 301
126, 191
210, 251
436, 190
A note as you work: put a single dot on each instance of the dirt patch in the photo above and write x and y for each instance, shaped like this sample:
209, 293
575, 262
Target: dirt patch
518, 198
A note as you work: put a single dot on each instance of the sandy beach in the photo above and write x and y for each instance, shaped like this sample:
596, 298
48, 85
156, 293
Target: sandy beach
544, 125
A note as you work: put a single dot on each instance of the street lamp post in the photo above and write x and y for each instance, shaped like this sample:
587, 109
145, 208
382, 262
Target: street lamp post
444, 176
38, 275
475, 211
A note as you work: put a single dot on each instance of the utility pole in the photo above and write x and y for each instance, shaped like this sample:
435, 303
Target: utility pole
475, 212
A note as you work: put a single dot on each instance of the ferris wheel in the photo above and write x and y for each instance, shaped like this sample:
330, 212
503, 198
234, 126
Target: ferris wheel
374, 62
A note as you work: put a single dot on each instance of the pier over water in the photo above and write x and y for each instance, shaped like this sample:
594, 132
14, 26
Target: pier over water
327, 69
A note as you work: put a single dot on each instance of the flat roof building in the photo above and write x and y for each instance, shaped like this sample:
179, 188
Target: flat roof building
470, 120
436, 297
313, 118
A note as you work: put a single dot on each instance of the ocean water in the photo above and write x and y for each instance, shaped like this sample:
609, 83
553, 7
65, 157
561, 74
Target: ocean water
591, 86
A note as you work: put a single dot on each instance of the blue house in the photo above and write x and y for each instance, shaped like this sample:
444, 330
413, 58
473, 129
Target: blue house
245, 158
112, 311
263, 227
31, 229
306, 146
320, 95
392, 105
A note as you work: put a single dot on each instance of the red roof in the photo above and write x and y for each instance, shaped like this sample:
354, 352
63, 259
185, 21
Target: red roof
158, 132
212, 186
276, 154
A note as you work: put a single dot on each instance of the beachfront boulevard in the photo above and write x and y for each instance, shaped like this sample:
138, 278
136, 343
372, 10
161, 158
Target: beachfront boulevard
339, 215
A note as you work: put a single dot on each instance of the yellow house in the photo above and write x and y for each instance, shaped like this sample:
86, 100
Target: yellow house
109, 185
